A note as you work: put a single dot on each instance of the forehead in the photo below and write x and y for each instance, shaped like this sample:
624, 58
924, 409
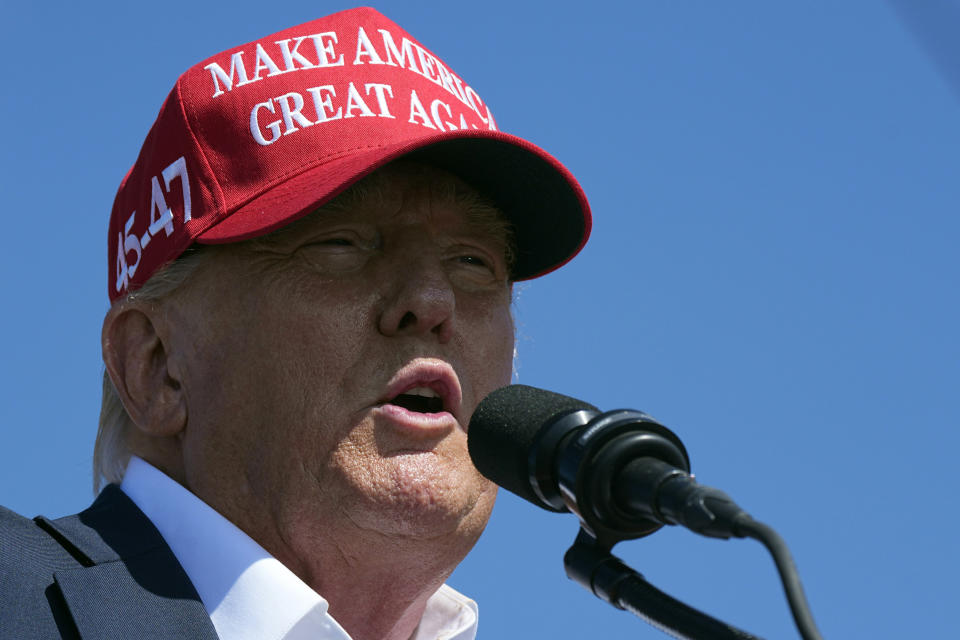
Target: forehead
405, 191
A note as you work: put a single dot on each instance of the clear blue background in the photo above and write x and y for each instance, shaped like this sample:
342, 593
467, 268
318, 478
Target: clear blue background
773, 274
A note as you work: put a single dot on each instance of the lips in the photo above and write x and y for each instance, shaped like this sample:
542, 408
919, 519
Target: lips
423, 391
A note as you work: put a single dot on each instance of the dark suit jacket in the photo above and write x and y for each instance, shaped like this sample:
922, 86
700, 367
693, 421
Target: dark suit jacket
105, 573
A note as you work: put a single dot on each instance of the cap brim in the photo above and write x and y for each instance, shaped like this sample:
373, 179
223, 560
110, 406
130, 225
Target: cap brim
542, 200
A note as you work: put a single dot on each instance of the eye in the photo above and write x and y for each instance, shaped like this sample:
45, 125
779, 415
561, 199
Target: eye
337, 251
473, 267
476, 261
337, 242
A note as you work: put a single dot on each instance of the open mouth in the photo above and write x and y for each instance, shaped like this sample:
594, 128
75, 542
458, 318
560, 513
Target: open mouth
425, 392
419, 400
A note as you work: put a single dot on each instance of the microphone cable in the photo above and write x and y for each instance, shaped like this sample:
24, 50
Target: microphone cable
789, 576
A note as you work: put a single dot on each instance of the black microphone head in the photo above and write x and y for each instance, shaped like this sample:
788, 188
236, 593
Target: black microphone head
504, 429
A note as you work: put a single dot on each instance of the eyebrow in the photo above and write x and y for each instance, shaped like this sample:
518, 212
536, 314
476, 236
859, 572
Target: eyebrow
482, 215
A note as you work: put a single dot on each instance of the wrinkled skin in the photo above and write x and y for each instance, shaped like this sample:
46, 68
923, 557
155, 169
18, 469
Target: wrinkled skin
281, 354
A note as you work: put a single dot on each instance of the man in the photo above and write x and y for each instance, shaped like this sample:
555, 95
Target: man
310, 268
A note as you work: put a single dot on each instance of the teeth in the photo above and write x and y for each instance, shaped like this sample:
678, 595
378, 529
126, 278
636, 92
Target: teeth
424, 392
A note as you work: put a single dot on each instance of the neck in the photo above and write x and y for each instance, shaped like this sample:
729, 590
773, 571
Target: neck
377, 587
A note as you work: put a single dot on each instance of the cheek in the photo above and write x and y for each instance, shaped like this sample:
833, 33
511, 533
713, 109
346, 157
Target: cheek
492, 348
506, 348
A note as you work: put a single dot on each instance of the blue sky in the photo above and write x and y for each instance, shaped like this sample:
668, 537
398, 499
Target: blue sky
773, 274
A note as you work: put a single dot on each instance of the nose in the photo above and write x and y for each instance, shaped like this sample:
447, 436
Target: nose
421, 301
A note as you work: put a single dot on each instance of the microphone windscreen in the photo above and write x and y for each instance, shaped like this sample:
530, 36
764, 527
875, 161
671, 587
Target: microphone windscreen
504, 428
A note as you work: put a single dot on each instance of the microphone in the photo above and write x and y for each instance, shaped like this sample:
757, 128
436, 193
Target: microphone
624, 475
621, 472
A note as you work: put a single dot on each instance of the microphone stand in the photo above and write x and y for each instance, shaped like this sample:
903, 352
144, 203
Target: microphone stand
625, 475
590, 563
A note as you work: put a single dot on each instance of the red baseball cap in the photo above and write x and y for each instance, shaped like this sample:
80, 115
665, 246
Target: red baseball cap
259, 135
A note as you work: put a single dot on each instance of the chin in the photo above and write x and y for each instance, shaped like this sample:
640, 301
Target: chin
422, 497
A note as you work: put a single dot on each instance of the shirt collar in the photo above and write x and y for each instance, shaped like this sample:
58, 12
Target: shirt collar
248, 593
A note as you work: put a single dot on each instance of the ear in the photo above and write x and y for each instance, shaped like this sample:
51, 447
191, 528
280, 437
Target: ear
144, 373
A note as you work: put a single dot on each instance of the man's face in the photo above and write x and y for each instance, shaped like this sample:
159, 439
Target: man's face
331, 368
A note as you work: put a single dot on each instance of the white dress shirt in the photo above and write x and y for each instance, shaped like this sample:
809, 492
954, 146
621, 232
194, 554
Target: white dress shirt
248, 593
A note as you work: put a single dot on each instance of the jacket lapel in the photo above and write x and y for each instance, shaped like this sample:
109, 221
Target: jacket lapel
117, 601
130, 584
